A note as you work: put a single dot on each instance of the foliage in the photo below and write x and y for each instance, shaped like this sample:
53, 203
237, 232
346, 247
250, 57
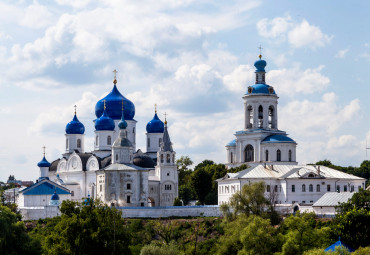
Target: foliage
88, 229
183, 162
359, 200
201, 182
13, 236
186, 193
156, 248
177, 202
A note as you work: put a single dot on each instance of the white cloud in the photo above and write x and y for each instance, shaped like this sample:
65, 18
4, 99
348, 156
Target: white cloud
341, 53
237, 80
36, 16
342, 141
298, 35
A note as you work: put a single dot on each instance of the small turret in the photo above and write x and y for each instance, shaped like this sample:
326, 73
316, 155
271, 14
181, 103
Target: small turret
44, 167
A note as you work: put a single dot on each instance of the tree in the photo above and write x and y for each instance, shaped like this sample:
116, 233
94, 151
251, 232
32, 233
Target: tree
156, 248
183, 162
177, 202
359, 200
92, 228
201, 183
186, 193
204, 163
13, 236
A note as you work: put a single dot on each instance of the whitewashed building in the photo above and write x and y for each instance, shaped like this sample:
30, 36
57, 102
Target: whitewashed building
272, 155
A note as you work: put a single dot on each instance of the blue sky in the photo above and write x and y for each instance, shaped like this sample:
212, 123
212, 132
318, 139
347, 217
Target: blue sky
192, 58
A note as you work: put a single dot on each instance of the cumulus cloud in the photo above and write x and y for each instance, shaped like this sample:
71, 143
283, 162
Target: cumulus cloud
341, 53
342, 141
298, 34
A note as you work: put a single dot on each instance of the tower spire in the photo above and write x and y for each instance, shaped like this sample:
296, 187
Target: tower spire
115, 76
75, 106
260, 56
165, 118
104, 105
155, 108
43, 148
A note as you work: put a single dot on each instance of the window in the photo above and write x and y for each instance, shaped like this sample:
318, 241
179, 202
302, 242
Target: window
271, 118
303, 188
159, 142
311, 201
101, 187
260, 116
303, 202
268, 188
78, 143
352, 188
338, 188
142, 204
328, 188
168, 158
173, 158
168, 174
310, 188
109, 140
128, 200
249, 153
318, 188
278, 155
72, 193
66, 143
117, 157
133, 130
162, 158
249, 116
276, 188
267, 155
345, 188
128, 186
148, 142
293, 188
231, 157
290, 155
97, 140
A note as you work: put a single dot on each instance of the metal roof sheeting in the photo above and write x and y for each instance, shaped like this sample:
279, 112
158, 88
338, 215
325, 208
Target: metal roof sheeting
333, 198
45, 187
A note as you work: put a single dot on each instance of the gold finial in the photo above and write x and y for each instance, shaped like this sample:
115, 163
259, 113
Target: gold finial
44, 149
75, 109
165, 118
104, 105
115, 76
155, 108
260, 56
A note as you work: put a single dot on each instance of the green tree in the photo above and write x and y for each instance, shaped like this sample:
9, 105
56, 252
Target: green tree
186, 193
156, 248
177, 202
92, 228
183, 163
13, 236
359, 200
201, 183
204, 163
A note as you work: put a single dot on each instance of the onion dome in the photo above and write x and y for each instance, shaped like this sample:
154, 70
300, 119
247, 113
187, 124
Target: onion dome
104, 123
260, 64
231, 143
114, 104
43, 163
155, 125
261, 88
75, 127
144, 161
55, 196
122, 124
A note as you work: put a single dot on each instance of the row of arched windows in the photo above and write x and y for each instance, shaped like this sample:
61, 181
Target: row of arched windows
168, 158
271, 115
167, 187
249, 155
310, 188
79, 143
159, 142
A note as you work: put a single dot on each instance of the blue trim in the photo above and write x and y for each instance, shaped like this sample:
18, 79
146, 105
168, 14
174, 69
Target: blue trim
277, 139
339, 244
232, 143
260, 88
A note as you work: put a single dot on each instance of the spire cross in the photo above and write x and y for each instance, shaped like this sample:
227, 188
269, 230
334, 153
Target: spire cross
75, 109
165, 117
155, 108
122, 105
44, 150
260, 56
104, 105
115, 73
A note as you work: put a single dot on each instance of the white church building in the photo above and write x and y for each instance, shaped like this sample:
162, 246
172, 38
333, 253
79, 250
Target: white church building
271, 155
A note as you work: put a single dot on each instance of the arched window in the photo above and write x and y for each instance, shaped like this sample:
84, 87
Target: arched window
318, 188
97, 140
168, 158
278, 155
249, 153
159, 142
310, 188
109, 140
78, 143
162, 158
290, 155
173, 158
148, 142
66, 143
116, 156
231, 157
267, 155
271, 114
133, 130
128, 186
249, 116
260, 116
303, 187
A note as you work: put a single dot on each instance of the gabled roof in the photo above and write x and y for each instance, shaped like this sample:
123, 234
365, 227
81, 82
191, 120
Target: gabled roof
333, 198
339, 244
115, 167
45, 187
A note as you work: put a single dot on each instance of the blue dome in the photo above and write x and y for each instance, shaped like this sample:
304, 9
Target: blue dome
232, 143
155, 125
278, 139
75, 127
104, 122
260, 88
43, 163
114, 105
122, 124
260, 65
55, 196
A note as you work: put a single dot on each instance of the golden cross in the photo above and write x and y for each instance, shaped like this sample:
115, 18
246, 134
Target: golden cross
155, 108
44, 149
115, 73
122, 104
75, 108
104, 105
260, 49
165, 116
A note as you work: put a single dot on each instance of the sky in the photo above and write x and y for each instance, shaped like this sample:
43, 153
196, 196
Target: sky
192, 58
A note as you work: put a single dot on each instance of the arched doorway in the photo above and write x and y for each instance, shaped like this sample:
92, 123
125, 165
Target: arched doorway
248, 153
151, 202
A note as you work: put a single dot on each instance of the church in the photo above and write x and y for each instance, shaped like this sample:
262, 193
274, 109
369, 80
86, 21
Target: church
271, 155
115, 171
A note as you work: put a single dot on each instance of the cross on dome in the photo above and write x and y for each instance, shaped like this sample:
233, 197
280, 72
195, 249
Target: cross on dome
165, 118
104, 105
43, 147
75, 106
115, 76
260, 56
155, 108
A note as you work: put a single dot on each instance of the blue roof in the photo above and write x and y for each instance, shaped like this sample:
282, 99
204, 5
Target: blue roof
43, 163
260, 65
75, 127
114, 105
260, 88
232, 143
155, 125
55, 196
45, 188
338, 244
122, 124
278, 139
105, 122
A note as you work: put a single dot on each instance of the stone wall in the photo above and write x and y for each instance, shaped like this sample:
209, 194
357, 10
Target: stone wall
41, 212
170, 211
